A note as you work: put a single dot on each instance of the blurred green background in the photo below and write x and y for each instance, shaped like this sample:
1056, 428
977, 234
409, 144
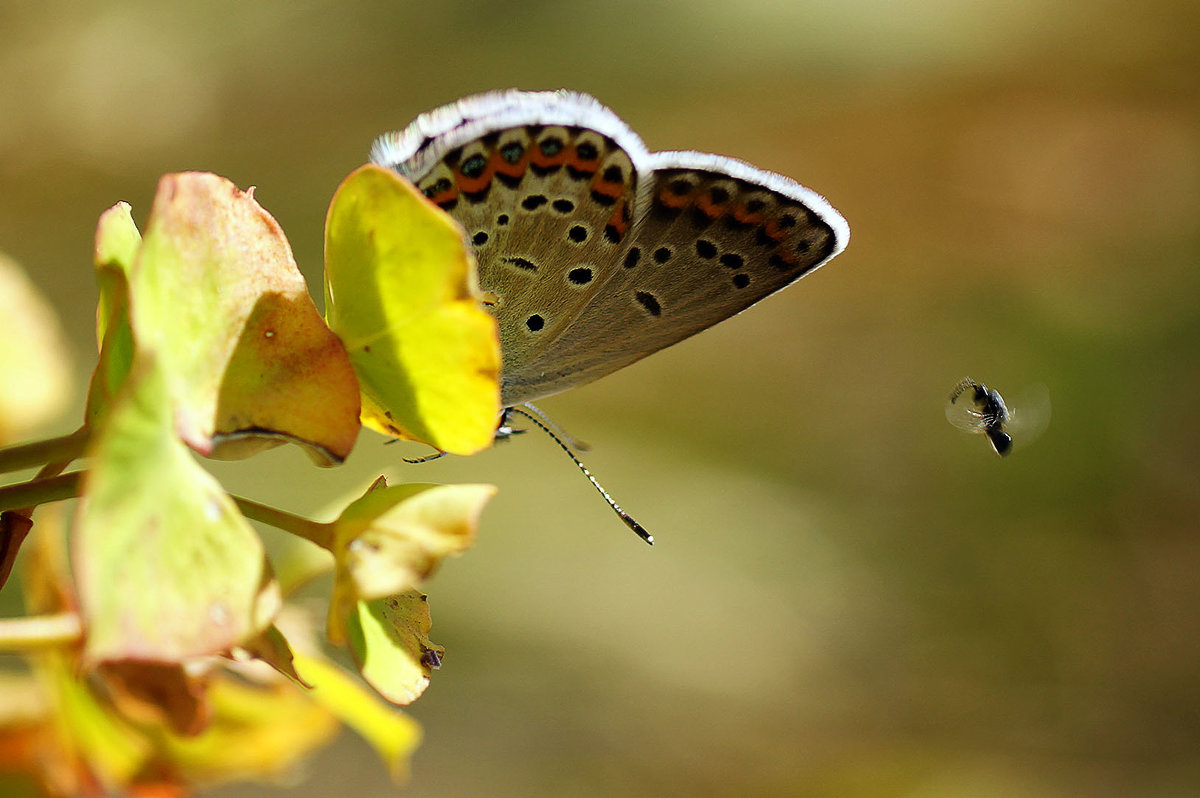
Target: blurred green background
848, 597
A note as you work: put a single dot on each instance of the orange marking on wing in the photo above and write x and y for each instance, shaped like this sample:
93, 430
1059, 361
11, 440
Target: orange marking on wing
497, 164
747, 217
709, 208
786, 257
773, 230
542, 160
444, 196
602, 186
672, 200
471, 185
580, 165
618, 220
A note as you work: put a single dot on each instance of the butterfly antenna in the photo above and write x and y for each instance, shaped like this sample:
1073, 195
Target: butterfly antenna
570, 439
624, 516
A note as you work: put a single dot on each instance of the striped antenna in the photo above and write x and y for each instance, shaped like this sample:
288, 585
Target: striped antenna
545, 427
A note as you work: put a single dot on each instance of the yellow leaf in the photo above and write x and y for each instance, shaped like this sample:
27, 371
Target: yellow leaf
390, 732
257, 731
34, 360
389, 638
393, 538
401, 291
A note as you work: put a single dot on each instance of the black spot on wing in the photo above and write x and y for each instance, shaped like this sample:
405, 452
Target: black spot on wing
649, 302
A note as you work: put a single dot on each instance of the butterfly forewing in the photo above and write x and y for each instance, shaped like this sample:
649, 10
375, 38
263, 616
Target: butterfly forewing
594, 252
706, 246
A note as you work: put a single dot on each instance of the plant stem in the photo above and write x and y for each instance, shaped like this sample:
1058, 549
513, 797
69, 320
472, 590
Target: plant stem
39, 631
62, 449
315, 531
40, 491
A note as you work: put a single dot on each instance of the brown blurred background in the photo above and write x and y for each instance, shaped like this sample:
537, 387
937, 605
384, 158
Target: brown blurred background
848, 597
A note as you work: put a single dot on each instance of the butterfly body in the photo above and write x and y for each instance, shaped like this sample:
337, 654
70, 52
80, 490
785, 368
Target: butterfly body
594, 252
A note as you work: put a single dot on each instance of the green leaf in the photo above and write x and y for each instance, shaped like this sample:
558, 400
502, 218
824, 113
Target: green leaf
390, 732
389, 638
116, 248
401, 291
117, 244
392, 539
249, 363
168, 569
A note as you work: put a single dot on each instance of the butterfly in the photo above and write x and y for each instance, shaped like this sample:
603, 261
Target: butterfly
594, 252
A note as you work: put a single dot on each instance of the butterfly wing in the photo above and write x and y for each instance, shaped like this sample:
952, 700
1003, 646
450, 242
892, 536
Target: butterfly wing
712, 237
594, 252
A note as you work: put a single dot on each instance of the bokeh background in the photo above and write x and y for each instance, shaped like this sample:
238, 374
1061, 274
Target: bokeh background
848, 596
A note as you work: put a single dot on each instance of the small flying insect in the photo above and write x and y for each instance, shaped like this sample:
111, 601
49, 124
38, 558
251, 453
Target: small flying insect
974, 407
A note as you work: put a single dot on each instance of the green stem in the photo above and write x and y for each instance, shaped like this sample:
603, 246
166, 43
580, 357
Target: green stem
40, 491
62, 449
39, 631
317, 532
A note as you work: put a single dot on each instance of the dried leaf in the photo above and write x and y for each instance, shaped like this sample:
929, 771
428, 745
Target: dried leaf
249, 362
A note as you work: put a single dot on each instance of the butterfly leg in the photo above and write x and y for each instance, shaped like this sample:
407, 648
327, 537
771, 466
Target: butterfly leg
437, 455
